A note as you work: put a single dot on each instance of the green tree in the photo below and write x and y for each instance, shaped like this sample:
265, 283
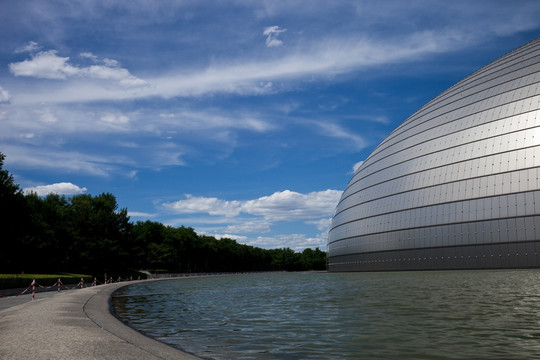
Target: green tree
47, 233
89, 234
286, 259
13, 221
100, 234
186, 250
313, 259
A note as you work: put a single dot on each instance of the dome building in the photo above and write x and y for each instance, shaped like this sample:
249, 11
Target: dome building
456, 185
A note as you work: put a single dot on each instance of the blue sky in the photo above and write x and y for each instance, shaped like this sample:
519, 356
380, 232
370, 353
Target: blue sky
242, 119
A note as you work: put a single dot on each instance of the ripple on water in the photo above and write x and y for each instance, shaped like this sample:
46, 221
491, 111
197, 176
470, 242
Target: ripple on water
416, 315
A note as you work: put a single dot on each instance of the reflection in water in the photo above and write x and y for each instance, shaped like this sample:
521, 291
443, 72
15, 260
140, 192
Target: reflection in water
398, 315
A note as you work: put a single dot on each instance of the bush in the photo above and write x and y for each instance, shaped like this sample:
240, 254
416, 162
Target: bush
14, 281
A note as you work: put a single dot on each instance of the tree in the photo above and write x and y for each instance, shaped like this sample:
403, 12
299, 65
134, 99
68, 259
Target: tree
13, 219
89, 234
47, 234
286, 259
100, 233
313, 259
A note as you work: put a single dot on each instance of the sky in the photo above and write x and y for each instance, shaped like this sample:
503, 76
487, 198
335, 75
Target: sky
240, 119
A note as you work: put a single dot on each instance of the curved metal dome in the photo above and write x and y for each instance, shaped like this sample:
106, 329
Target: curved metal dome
456, 185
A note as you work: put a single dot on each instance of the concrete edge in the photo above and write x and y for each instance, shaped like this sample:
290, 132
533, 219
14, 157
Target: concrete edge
98, 309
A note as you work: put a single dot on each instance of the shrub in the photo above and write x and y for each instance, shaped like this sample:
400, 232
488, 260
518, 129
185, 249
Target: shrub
13, 281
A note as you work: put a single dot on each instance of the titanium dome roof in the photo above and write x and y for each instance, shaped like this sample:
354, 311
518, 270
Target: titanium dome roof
456, 185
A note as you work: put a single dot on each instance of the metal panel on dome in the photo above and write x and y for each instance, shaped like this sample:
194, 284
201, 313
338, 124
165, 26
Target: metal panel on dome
456, 185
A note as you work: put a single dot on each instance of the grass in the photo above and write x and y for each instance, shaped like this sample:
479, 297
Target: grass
13, 281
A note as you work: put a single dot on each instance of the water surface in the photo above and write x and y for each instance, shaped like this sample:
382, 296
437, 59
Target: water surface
393, 315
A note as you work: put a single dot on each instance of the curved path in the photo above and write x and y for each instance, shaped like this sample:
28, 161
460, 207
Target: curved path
75, 324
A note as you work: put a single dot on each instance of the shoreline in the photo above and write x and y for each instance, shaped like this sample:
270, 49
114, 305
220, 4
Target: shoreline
76, 324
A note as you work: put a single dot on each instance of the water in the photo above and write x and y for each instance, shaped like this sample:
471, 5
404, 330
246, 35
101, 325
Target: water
397, 315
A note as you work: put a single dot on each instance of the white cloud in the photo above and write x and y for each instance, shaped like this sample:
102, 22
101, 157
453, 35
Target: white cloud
105, 72
217, 223
140, 214
5, 98
249, 227
63, 188
281, 206
271, 34
48, 65
227, 236
321, 224
212, 206
296, 242
110, 62
289, 205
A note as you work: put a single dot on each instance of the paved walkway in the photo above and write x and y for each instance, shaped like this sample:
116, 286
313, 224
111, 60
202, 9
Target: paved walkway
74, 324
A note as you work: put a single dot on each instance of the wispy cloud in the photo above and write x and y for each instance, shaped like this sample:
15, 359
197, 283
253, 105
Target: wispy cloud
115, 120
270, 99
337, 131
212, 119
329, 56
46, 115
89, 55
57, 159
147, 138
31, 47
356, 166
5, 98
271, 34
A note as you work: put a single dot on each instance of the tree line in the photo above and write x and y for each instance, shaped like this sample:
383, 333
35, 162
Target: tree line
90, 234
